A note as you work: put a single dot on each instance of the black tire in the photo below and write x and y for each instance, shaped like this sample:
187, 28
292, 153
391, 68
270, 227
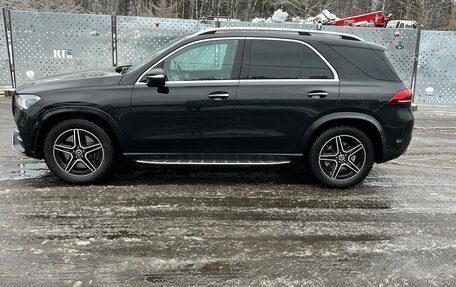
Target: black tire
83, 161
344, 167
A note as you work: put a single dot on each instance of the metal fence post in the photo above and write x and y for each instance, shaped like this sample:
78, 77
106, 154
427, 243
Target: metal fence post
9, 45
415, 63
114, 39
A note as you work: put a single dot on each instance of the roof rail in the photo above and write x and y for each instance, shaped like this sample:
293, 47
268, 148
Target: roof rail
266, 29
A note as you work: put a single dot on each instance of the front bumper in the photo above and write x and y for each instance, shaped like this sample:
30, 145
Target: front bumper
17, 142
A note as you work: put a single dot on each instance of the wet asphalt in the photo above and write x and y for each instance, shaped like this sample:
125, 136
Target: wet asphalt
236, 226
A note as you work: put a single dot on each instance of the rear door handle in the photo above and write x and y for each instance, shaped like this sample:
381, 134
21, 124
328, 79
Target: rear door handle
317, 94
219, 96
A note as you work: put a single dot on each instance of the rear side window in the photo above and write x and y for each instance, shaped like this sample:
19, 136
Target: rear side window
275, 59
372, 62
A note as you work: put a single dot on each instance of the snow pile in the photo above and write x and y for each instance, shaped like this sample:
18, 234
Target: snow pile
330, 16
279, 16
258, 20
324, 17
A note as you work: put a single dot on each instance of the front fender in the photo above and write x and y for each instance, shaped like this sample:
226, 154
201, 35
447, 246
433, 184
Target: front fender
77, 111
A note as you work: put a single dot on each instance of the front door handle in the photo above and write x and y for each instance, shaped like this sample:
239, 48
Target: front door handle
219, 96
317, 94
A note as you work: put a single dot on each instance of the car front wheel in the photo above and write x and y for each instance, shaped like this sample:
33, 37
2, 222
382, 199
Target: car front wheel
341, 157
78, 151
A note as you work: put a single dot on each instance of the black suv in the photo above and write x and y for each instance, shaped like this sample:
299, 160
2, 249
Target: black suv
229, 96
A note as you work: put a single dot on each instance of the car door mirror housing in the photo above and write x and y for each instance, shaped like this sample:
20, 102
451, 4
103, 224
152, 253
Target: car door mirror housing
156, 78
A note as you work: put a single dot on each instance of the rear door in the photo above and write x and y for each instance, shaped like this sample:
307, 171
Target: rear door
285, 84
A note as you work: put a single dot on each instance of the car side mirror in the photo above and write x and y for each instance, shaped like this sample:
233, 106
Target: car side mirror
156, 78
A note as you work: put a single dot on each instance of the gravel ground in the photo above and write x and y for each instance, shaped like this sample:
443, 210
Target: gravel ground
256, 226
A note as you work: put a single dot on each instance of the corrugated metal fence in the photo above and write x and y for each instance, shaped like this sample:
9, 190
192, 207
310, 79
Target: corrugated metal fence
45, 44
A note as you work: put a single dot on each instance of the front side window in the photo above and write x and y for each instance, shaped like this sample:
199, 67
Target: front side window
154, 54
213, 60
275, 59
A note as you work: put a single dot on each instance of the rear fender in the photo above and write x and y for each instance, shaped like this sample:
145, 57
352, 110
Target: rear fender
335, 119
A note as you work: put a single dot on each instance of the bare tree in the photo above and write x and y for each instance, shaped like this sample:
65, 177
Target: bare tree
431, 13
43, 5
162, 9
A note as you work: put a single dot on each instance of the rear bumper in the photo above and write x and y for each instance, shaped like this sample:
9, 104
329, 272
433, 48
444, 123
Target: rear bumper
398, 130
398, 145
17, 143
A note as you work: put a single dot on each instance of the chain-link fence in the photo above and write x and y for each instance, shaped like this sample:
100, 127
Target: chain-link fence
45, 44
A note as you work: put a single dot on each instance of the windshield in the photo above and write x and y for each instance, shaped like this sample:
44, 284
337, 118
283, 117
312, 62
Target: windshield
154, 54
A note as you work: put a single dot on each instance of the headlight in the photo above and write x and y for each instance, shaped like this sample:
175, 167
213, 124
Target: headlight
26, 101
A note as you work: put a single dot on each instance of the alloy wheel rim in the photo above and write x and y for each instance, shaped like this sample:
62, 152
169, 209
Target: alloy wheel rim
78, 152
342, 157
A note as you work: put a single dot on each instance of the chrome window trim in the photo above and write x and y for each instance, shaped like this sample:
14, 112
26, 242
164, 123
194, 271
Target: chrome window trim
273, 82
244, 81
208, 83
247, 82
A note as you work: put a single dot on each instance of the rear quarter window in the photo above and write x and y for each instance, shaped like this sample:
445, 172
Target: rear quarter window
372, 62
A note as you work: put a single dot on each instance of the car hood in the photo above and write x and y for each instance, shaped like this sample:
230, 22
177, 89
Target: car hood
91, 78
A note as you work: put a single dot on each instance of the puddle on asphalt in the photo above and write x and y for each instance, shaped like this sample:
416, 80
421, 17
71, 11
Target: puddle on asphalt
216, 269
23, 171
155, 278
211, 269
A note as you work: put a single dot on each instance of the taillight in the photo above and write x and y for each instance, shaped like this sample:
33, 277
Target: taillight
402, 97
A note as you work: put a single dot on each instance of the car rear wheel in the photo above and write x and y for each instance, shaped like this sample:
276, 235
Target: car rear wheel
78, 151
341, 157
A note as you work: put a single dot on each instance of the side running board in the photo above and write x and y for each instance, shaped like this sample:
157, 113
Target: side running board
212, 162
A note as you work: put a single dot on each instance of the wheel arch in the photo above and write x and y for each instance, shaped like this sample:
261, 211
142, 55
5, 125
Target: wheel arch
364, 122
97, 116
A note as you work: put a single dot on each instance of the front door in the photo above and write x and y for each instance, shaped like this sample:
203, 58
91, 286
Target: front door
194, 112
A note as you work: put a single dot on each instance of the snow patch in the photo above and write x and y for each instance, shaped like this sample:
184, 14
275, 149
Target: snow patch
83, 243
